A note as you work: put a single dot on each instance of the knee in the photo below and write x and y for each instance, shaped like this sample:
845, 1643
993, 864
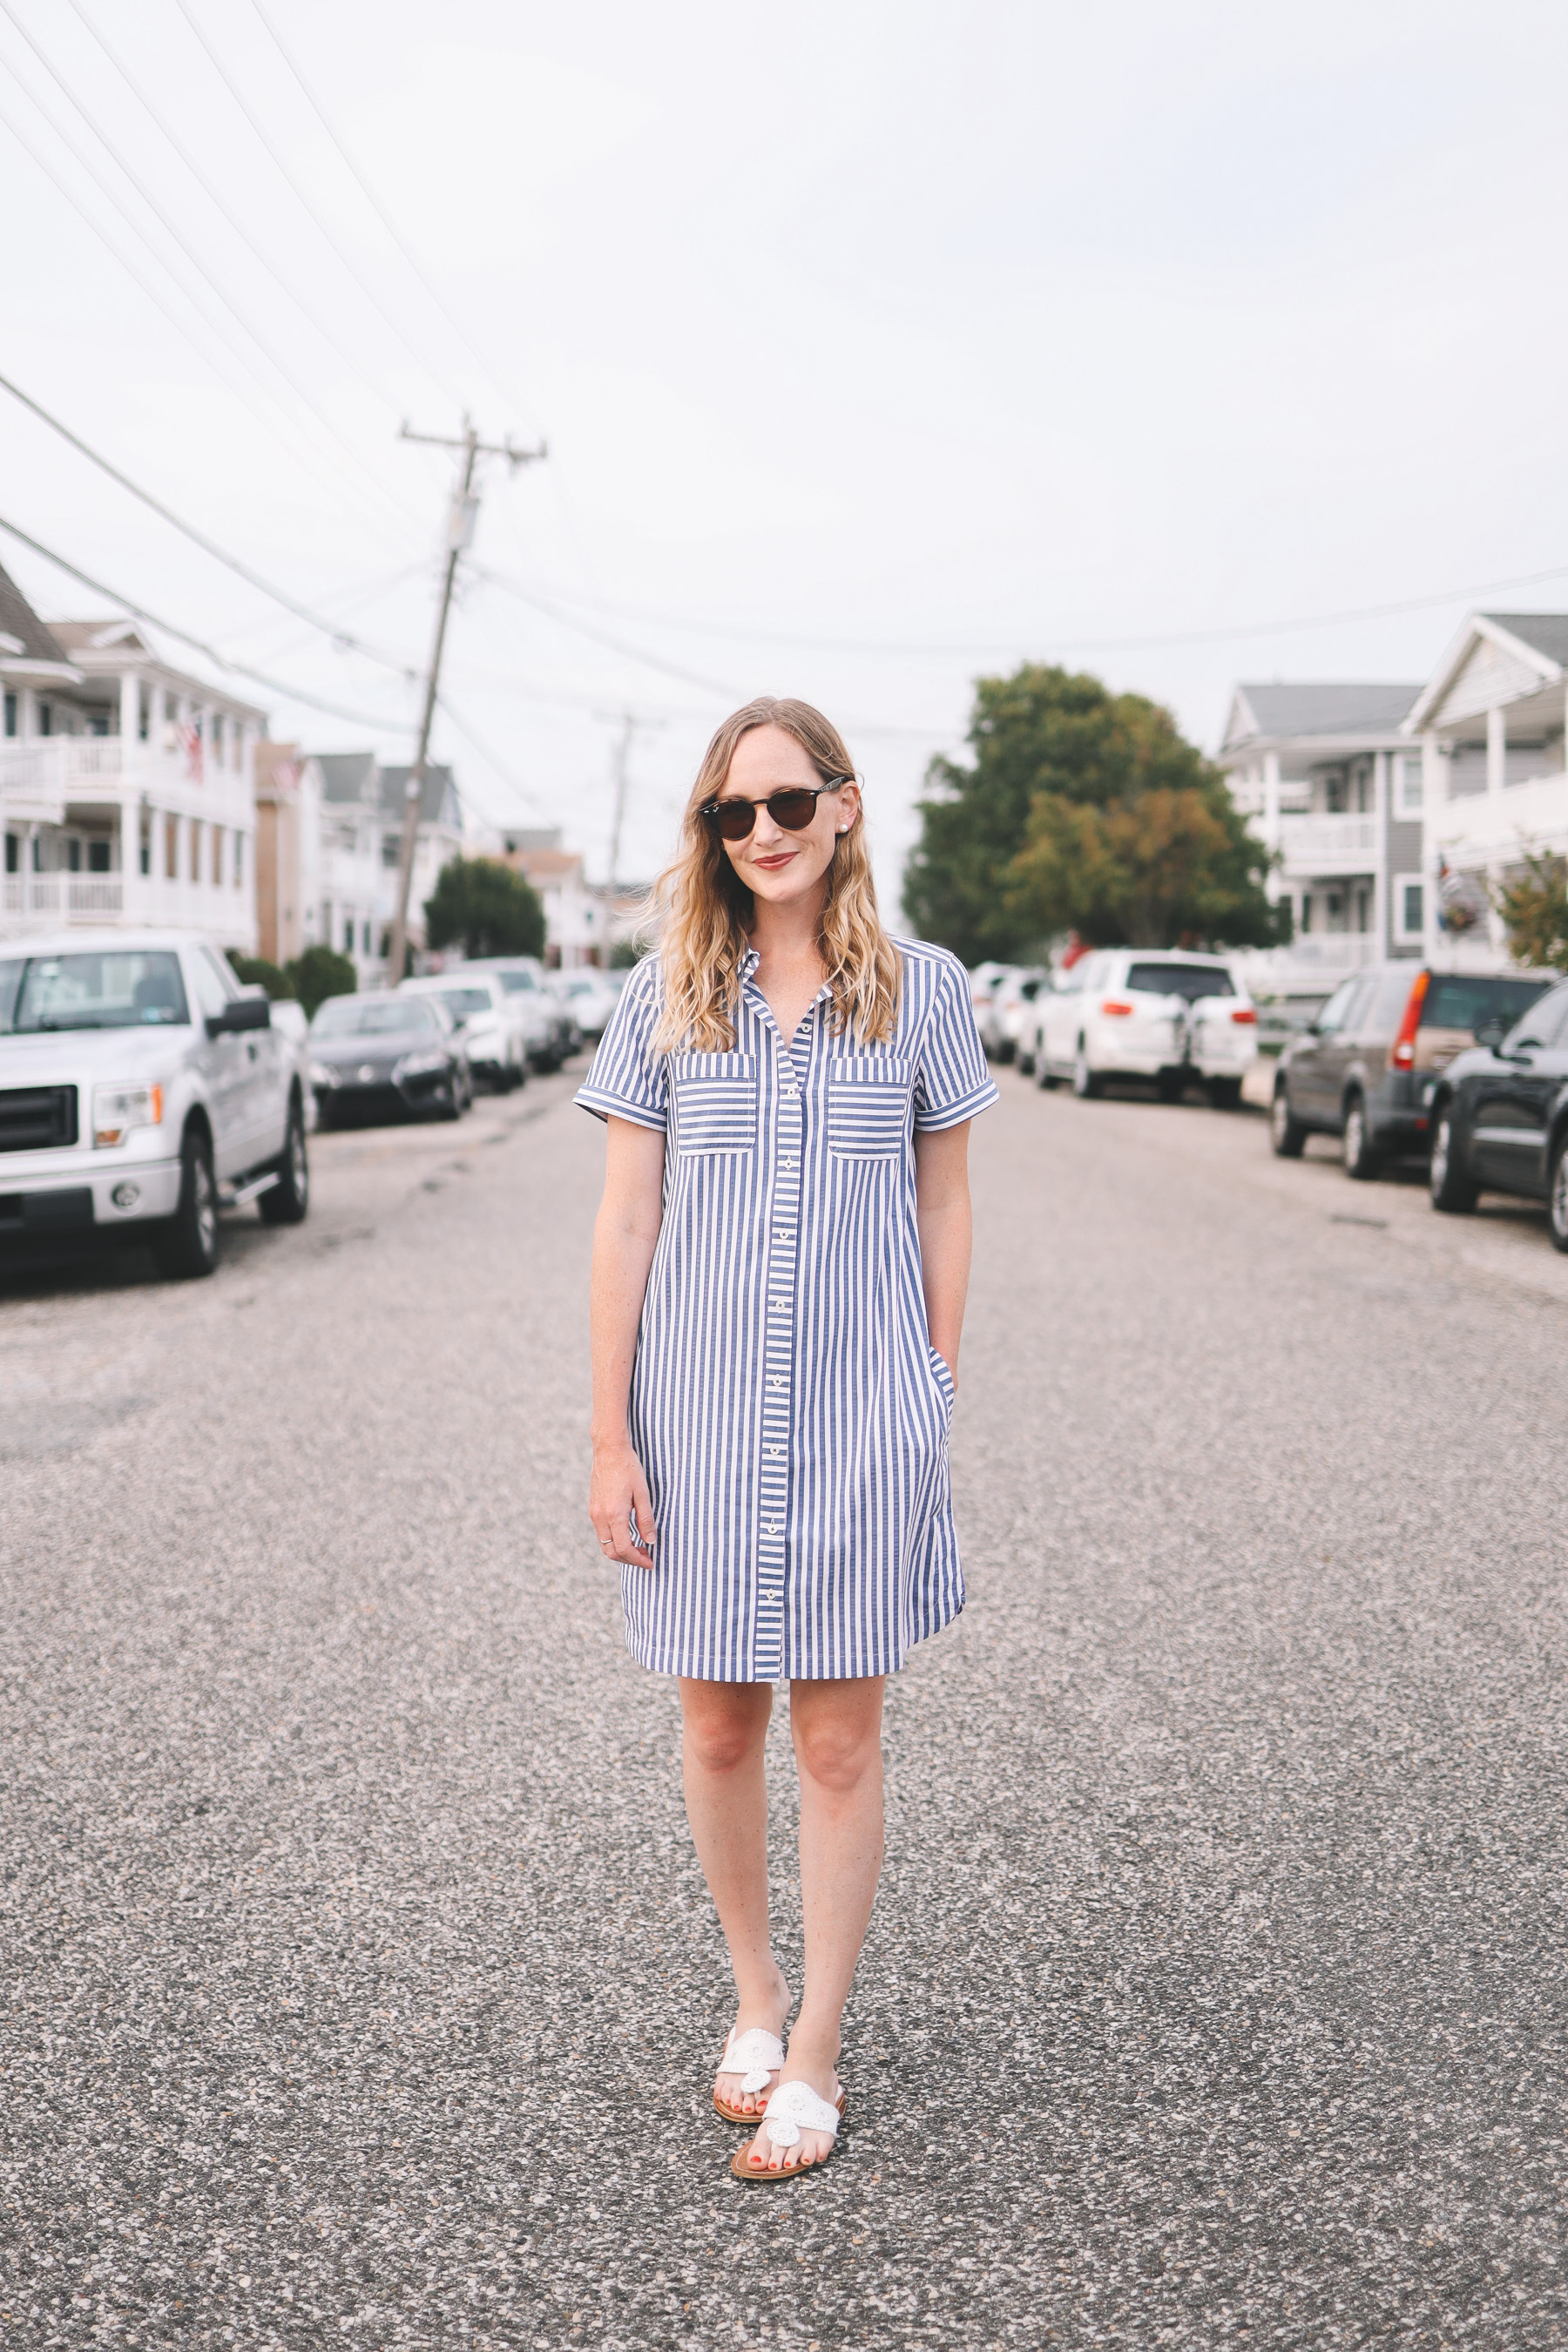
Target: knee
720, 1741
836, 1755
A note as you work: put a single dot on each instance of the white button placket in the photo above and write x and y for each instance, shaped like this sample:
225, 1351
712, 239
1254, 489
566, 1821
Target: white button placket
778, 1360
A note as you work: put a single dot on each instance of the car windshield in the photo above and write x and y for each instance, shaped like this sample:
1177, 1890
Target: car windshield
109, 987
373, 1016
464, 1000
1461, 1000
1189, 980
517, 984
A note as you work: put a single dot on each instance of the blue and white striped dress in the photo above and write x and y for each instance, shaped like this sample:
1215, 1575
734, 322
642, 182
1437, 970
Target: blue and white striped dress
787, 1406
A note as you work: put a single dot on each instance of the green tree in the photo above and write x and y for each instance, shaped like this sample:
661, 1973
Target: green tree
1533, 904
486, 908
1081, 810
318, 973
251, 970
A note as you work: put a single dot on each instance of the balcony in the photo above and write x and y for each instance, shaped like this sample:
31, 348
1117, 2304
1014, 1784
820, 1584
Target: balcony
42, 901
1312, 845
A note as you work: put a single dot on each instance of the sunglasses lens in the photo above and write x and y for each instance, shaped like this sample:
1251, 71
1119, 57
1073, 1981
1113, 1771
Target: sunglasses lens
794, 811
733, 820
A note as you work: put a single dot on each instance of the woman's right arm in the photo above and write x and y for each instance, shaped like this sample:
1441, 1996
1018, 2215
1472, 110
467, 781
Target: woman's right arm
625, 1237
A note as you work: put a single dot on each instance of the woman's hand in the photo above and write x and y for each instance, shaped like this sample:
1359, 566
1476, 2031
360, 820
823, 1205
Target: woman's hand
615, 1489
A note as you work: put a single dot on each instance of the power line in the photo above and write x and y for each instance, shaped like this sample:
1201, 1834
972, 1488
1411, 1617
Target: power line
222, 74
192, 257
339, 635
373, 201
601, 637
170, 629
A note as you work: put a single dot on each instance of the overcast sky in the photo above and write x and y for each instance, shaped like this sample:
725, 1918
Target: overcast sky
876, 346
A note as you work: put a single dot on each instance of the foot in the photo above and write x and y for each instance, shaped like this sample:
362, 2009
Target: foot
810, 2060
768, 2012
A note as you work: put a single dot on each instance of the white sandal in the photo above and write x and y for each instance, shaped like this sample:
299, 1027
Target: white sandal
753, 2055
795, 2107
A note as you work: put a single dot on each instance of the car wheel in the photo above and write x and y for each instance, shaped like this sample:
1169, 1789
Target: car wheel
1286, 1132
1173, 1086
1360, 1155
1025, 1063
1085, 1081
1046, 1075
285, 1202
1451, 1189
1224, 1093
1557, 1195
187, 1246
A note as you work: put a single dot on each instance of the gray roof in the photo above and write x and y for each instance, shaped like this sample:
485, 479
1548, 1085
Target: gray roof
1282, 708
346, 774
437, 798
1544, 632
536, 837
19, 620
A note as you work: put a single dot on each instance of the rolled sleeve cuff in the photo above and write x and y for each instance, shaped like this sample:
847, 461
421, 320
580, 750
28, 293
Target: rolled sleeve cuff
932, 1120
605, 1104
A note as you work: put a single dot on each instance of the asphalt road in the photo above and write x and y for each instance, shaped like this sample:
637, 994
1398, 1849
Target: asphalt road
357, 1984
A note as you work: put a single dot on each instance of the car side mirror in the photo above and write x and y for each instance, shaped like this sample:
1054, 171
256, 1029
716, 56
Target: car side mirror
244, 1013
1491, 1032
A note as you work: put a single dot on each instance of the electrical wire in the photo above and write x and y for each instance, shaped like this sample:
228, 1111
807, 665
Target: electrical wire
383, 216
350, 359
192, 257
342, 637
598, 636
184, 636
419, 358
522, 791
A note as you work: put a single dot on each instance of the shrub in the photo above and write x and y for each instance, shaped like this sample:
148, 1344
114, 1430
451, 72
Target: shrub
318, 973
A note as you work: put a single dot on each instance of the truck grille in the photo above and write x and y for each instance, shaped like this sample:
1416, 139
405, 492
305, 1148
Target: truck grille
37, 1119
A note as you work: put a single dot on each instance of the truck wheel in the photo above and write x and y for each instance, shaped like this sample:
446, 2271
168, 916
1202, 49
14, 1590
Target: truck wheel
1361, 1153
187, 1245
1286, 1132
1557, 1195
285, 1202
1224, 1093
1451, 1189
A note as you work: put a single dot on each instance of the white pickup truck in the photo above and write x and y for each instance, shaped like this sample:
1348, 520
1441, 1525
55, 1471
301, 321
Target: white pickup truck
141, 1087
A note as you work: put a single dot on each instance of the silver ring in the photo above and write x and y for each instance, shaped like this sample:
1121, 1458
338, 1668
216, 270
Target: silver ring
604, 1547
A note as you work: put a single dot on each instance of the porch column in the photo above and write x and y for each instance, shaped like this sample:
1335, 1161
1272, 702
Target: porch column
1433, 797
1271, 799
1382, 812
1497, 749
130, 721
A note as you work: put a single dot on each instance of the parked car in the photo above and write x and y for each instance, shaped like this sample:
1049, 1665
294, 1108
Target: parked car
493, 1036
1500, 1116
142, 1089
378, 1056
589, 995
292, 1025
987, 983
1368, 1065
1164, 1014
548, 1025
1010, 1010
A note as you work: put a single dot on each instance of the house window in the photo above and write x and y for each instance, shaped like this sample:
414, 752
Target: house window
45, 717
1407, 782
1363, 906
73, 855
144, 859
143, 713
1306, 910
98, 858
349, 935
218, 736
240, 861
10, 714
218, 853
13, 852
1409, 907
195, 849
97, 722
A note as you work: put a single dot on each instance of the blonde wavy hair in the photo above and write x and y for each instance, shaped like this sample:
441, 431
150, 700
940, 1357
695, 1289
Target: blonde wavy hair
702, 910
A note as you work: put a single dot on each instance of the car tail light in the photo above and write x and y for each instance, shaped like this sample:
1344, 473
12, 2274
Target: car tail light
1114, 1006
1245, 1015
1401, 1053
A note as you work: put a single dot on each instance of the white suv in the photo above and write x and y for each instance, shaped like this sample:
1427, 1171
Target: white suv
488, 1032
141, 1087
1136, 1012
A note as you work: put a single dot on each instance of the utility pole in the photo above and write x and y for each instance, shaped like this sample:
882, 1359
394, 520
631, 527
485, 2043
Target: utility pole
630, 722
461, 517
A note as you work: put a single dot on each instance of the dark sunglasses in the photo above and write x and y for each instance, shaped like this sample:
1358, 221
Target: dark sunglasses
792, 809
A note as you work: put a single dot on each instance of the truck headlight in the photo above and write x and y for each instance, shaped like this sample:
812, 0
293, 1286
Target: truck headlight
116, 1110
323, 1074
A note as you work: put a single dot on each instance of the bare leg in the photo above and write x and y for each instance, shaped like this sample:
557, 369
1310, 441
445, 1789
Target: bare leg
837, 1731
724, 1726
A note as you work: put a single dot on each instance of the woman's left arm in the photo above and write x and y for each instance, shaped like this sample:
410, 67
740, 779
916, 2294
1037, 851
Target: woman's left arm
946, 1229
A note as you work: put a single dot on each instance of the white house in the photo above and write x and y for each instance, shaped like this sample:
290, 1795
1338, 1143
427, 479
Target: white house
1491, 728
1327, 778
359, 807
578, 926
127, 788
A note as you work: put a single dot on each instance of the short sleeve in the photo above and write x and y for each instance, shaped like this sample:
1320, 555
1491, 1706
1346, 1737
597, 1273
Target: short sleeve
952, 1081
627, 1079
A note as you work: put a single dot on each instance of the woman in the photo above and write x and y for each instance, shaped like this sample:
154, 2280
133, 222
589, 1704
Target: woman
779, 1274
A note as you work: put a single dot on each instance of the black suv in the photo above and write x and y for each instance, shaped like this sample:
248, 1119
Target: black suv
1368, 1066
1500, 1116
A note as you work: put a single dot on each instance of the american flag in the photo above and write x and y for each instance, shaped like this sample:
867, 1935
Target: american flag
191, 744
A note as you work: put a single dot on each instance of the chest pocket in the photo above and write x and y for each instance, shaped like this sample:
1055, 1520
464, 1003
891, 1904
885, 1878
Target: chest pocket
868, 1106
715, 1102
